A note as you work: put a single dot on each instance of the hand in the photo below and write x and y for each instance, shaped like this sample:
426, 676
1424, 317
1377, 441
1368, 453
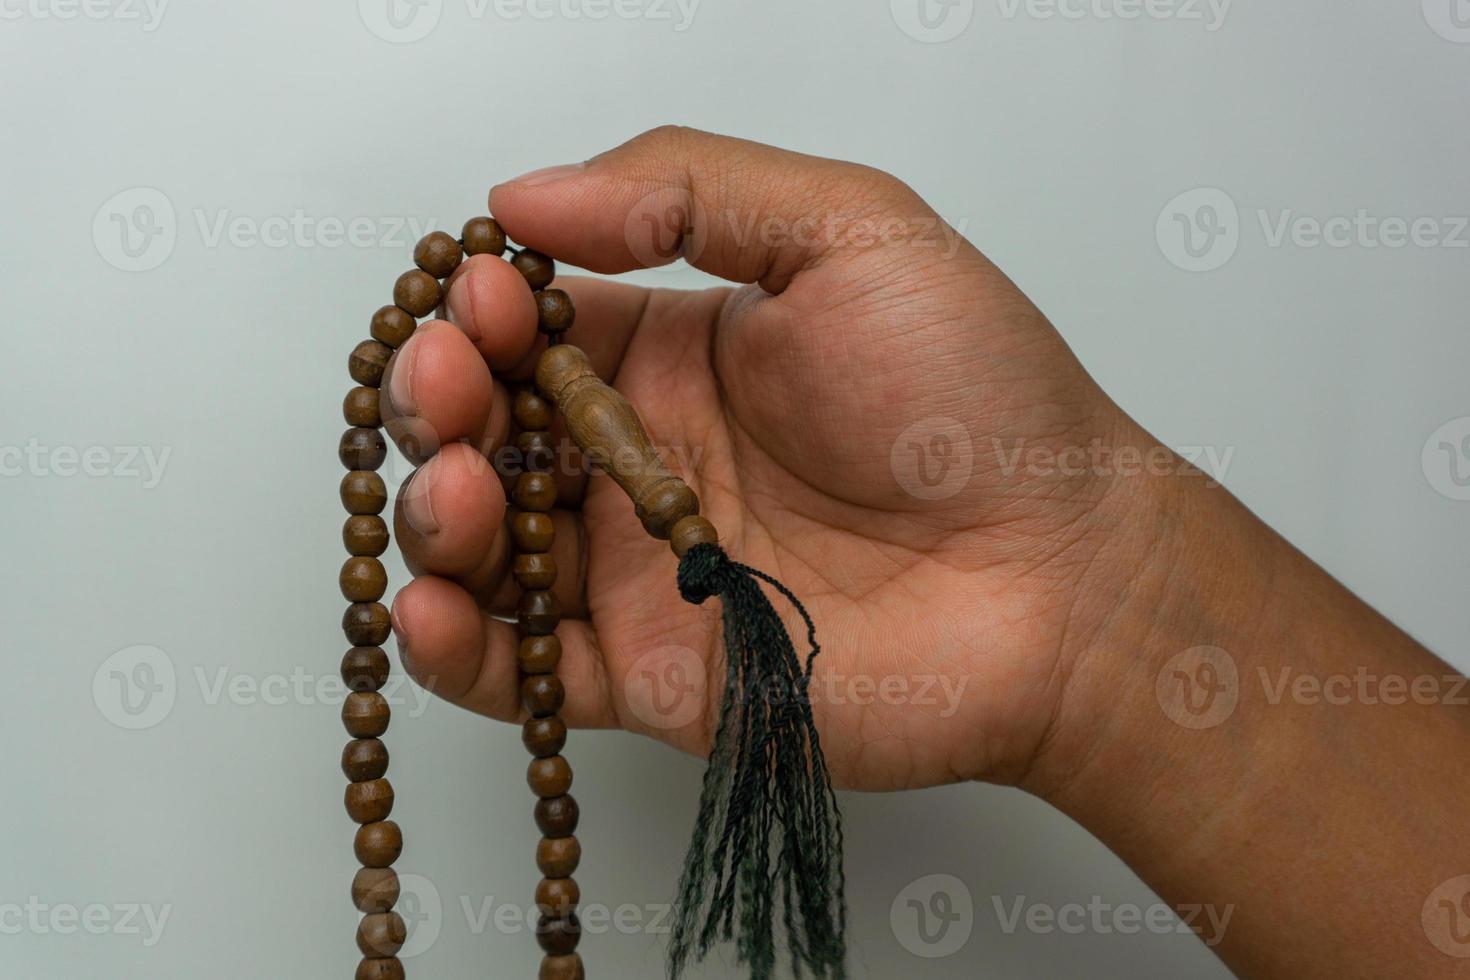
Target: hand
872, 349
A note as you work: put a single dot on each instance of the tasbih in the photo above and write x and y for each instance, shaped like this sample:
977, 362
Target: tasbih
767, 843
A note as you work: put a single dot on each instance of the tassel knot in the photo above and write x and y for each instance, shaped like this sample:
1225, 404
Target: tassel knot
702, 572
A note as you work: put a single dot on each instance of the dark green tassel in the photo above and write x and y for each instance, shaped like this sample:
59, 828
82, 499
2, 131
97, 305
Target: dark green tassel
768, 839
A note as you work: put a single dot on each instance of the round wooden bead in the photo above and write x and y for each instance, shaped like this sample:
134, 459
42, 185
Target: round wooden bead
363, 492
539, 654
381, 934
557, 816
532, 532
437, 254
417, 292
557, 896
567, 967
544, 738
367, 361
365, 668
537, 449
690, 531
535, 571
542, 694
558, 934
378, 845
549, 777
363, 580
668, 504
360, 407
364, 759
482, 236
369, 802
392, 325
362, 448
375, 889
366, 714
538, 613
534, 491
531, 411
554, 311
380, 968
558, 857
366, 624
365, 534
538, 269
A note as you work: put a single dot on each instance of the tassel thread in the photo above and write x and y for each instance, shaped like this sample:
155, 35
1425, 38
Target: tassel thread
768, 839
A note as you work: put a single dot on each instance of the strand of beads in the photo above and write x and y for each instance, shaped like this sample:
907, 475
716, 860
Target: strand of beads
537, 615
365, 712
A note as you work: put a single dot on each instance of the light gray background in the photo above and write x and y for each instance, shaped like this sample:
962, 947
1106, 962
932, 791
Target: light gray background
1055, 142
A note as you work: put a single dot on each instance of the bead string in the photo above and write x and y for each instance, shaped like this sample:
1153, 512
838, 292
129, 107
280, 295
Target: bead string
365, 668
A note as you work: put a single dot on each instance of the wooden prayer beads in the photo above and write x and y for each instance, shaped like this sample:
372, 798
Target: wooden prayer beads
363, 580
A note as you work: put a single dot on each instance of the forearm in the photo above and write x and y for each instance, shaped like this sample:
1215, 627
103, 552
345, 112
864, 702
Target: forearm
1317, 796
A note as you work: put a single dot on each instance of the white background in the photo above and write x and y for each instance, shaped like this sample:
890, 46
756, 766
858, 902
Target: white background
1055, 143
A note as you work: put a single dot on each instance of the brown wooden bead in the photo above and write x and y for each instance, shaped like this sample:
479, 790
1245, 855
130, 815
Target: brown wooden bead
531, 411
534, 491
364, 759
380, 968
537, 449
535, 571
378, 845
365, 534
557, 816
690, 531
558, 896
360, 407
392, 325
363, 492
542, 694
363, 580
437, 254
482, 236
375, 889
367, 361
417, 292
567, 967
366, 624
366, 714
559, 934
381, 934
539, 654
558, 857
549, 777
362, 448
538, 269
369, 802
544, 738
538, 613
533, 533
365, 668
554, 311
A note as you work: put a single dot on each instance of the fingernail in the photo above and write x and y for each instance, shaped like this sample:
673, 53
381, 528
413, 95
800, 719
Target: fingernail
418, 508
400, 380
547, 175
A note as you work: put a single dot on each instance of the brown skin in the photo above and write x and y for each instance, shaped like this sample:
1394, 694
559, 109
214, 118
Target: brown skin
1049, 602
